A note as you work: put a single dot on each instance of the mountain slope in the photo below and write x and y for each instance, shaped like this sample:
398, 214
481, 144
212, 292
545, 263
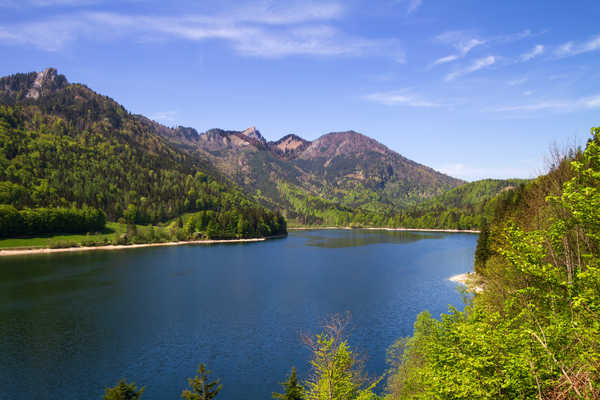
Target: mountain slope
62, 144
346, 170
351, 161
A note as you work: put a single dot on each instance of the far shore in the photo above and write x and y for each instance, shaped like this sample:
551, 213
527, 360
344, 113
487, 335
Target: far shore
312, 228
20, 252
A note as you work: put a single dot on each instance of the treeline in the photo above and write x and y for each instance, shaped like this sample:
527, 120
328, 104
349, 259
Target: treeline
534, 330
240, 223
35, 221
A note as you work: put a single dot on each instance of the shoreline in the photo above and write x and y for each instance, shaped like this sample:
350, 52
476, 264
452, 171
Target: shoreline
468, 279
386, 229
46, 250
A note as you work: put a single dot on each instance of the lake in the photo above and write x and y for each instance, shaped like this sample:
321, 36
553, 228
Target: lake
74, 323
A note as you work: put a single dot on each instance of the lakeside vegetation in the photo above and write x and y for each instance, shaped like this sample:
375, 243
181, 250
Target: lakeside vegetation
534, 332
204, 225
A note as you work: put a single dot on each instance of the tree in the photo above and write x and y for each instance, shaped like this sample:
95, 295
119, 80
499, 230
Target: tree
123, 391
336, 370
201, 388
293, 390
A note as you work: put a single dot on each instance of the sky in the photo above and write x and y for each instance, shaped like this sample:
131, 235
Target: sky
475, 89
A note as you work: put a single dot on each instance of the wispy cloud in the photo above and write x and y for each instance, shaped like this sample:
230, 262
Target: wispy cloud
584, 103
460, 41
572, 48
464, 43
299, 29
536, 51
413, 5
476, 66
400, 98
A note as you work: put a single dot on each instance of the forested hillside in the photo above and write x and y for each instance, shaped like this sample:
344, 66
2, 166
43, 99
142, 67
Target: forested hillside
469, 206
534, 330
63, 145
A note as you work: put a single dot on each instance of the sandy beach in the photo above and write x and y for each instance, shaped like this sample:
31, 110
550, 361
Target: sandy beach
466, 279
19, 252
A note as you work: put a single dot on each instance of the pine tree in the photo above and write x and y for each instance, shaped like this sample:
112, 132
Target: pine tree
293, 390
123, 391
201, 388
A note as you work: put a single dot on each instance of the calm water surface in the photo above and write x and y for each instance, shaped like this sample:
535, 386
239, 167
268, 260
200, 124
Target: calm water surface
71, 324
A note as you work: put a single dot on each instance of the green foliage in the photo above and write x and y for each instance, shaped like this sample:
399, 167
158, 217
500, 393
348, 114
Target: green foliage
37, 221
200, 386
534, 332
293, 390
123, 391
336, 370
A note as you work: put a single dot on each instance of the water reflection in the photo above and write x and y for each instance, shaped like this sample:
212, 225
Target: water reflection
364, 237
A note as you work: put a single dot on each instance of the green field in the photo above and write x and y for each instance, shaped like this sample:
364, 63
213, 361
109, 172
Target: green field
111, 235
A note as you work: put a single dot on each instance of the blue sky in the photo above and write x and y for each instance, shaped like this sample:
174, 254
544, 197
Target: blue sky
472, 88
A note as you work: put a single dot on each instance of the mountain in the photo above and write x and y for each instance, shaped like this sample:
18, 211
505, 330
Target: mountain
64, 145
341, 171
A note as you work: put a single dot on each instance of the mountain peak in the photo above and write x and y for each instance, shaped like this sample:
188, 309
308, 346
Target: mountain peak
32, 85
289, 146
254, 133
45, 81
344, 143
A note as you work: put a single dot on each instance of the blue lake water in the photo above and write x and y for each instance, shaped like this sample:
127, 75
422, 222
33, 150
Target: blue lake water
72, 324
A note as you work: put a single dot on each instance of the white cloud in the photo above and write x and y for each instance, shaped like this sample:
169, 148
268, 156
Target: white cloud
460, 41
400, 98
536, 51
528, 93
584, 103
572, 48
476, 66
447, 59
258, 31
